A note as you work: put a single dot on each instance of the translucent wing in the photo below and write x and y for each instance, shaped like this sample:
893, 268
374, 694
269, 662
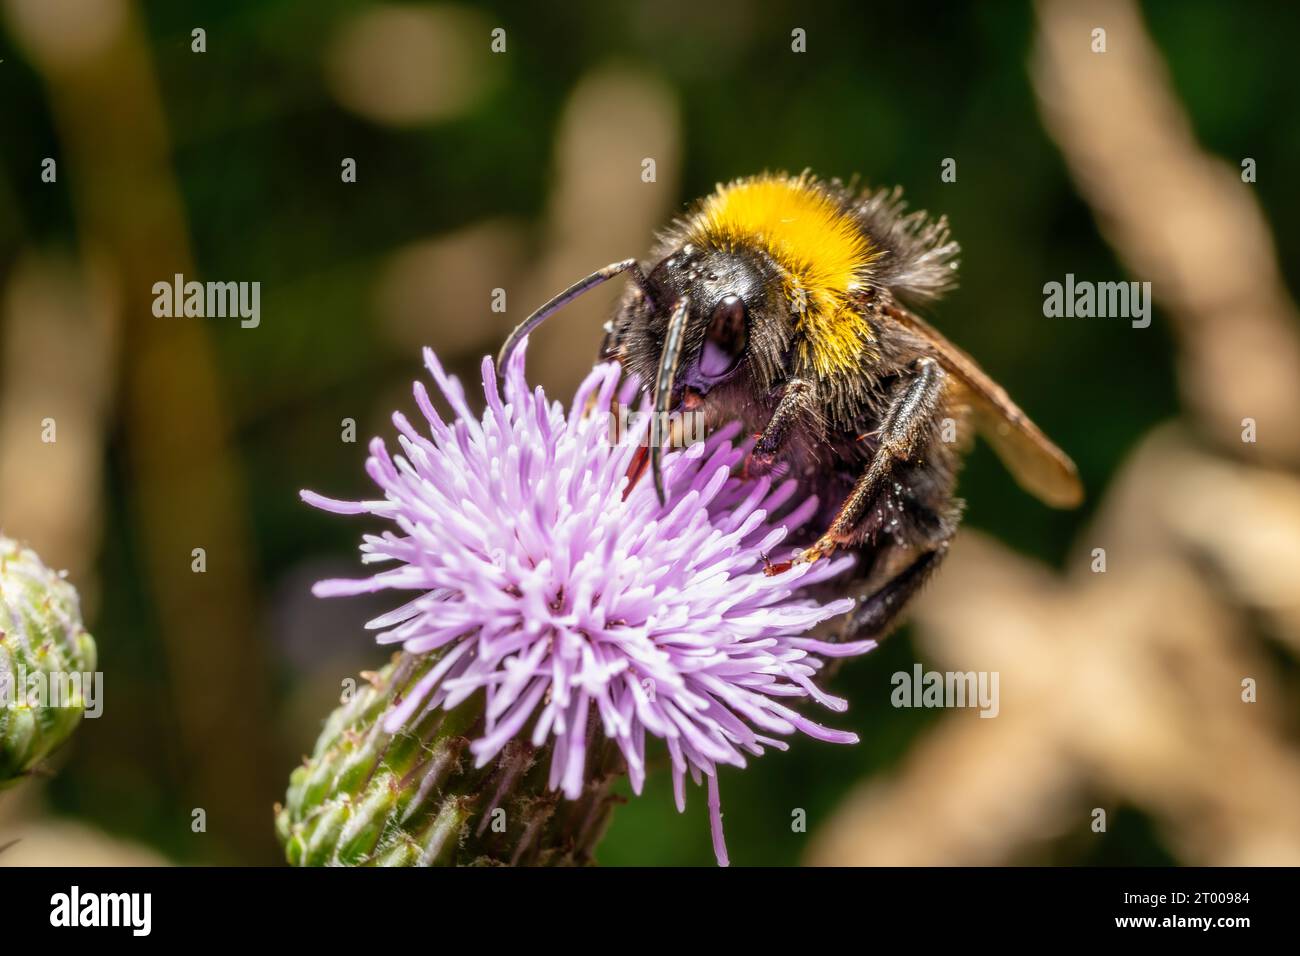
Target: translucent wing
1038, 466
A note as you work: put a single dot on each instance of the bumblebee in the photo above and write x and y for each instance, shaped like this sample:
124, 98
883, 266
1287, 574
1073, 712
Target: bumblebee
786, 302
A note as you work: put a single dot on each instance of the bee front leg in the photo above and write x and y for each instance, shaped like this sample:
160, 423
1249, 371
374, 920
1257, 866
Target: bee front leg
903, 430
794, 406
611, 345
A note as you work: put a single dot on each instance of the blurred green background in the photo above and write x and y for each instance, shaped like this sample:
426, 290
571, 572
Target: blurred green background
519, 170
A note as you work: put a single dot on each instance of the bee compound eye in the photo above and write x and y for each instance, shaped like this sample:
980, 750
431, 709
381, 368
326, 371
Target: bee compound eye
726, 338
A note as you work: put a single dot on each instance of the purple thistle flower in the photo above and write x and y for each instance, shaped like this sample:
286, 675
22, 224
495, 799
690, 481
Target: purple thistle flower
543, 587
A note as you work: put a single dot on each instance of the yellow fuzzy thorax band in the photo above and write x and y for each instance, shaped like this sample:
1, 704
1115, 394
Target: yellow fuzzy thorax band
822, 250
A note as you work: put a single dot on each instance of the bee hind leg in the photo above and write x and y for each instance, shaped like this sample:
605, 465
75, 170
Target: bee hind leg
876, 614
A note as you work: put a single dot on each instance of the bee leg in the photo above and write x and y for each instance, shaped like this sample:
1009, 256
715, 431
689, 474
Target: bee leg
611, 344
902, 431
876, 614
795, 404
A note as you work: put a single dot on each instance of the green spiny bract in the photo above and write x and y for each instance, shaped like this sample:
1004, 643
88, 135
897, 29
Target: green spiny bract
45, 656
415, 798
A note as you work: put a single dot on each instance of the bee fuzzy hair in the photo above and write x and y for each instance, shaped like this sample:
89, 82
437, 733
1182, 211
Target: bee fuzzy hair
918, 259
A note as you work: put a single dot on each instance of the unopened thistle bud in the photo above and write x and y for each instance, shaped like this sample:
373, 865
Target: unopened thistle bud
45, 657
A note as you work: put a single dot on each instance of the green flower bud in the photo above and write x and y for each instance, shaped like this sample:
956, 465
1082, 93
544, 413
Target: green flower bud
46, 657
415, 798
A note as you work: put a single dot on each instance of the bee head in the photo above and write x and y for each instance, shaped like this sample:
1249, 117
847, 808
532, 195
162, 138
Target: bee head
688, 324
699, 317
691, 324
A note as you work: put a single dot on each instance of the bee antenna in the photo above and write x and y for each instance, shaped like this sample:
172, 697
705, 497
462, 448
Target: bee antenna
560, 301
668, 360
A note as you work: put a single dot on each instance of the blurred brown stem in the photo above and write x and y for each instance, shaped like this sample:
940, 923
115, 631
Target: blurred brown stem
1178, 217
185, 486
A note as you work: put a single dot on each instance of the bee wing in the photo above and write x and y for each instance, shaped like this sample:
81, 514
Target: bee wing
1034, 461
